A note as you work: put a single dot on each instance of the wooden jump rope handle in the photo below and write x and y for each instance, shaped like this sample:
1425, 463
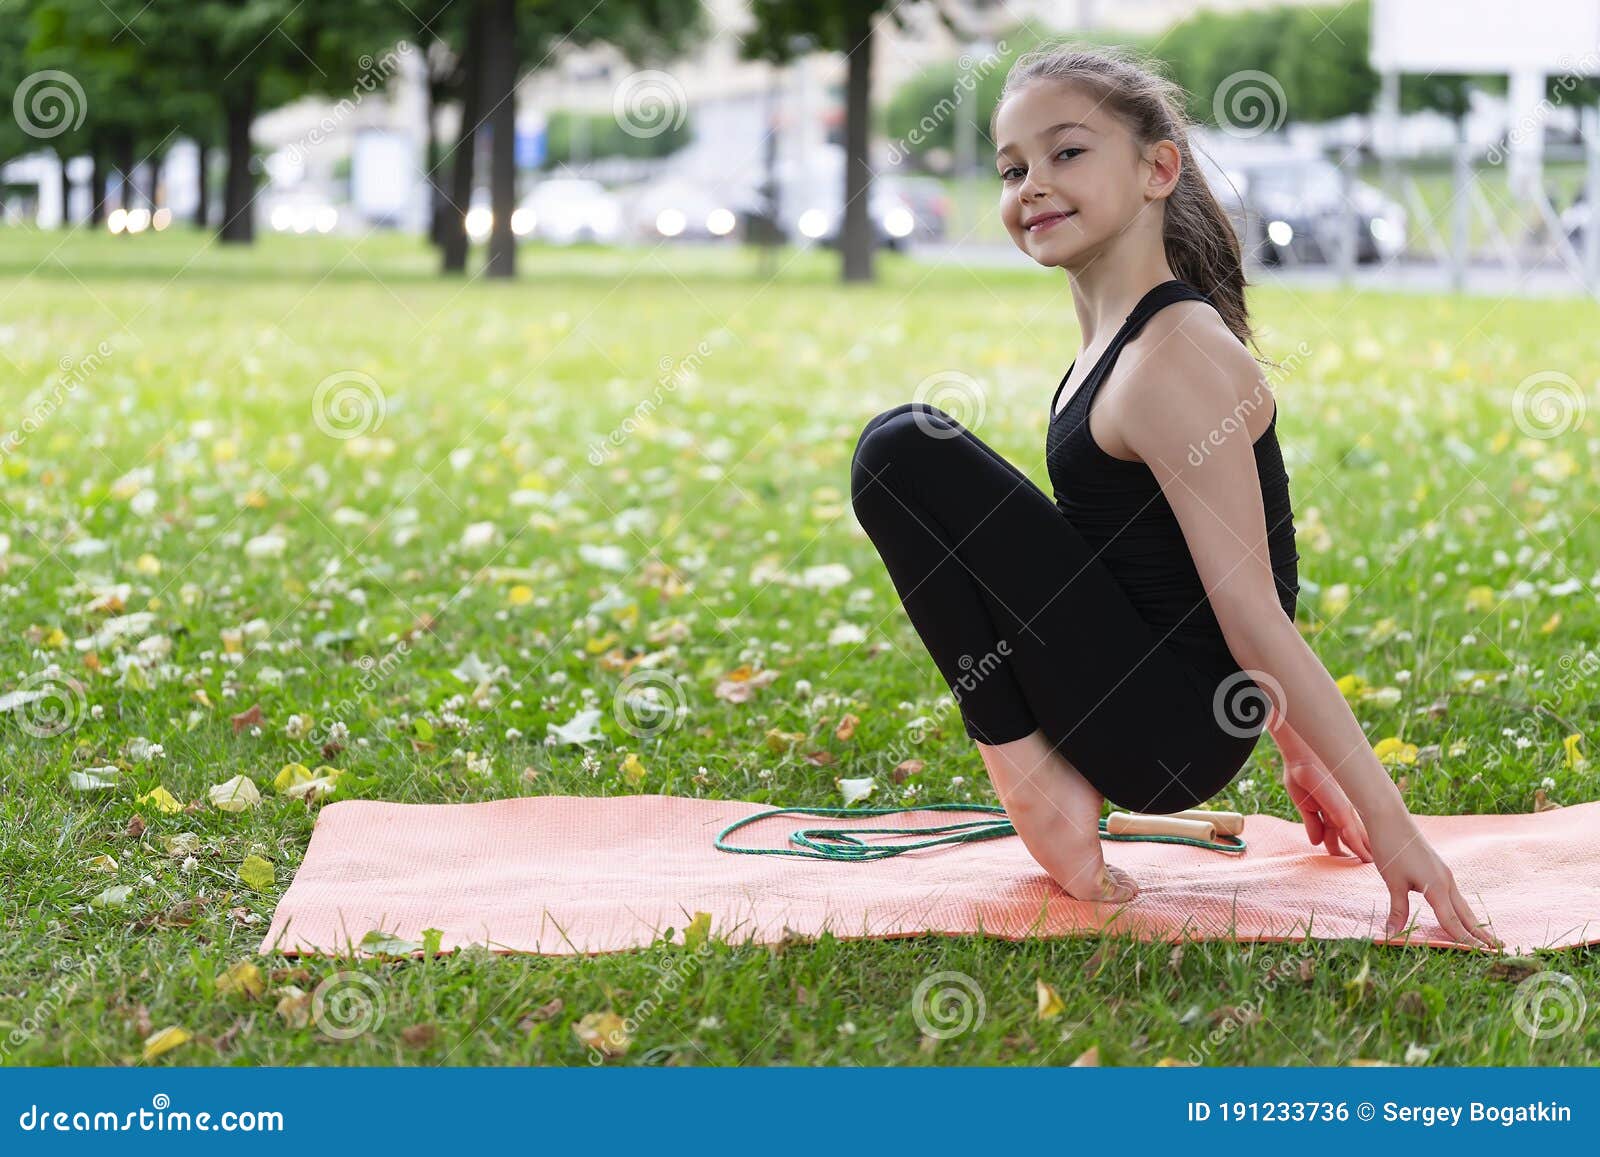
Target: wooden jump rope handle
1194, 824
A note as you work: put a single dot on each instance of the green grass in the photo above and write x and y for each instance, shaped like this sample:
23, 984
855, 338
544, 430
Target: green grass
1415, 492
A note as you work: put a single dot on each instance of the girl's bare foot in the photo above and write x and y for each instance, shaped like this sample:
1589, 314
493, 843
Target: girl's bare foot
1057, 814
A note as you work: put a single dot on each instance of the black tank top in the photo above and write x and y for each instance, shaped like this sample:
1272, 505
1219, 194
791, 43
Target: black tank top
1119, 508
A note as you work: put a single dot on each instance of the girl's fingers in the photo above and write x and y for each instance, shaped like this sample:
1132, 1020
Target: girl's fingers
1470, 919
1308, 811
1444, 908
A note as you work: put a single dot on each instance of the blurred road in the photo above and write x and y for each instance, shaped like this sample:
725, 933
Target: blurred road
1486, 279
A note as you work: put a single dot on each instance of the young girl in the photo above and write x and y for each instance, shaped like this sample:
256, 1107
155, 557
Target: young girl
1108, 645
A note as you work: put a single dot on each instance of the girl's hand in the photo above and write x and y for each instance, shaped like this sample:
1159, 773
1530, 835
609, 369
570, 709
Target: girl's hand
1409, 864
1327, 811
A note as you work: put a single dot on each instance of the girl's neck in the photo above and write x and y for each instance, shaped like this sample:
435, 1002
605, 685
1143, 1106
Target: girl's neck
1110, 284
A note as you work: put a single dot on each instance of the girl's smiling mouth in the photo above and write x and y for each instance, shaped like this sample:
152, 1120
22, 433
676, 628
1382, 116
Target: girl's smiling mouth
1043, 221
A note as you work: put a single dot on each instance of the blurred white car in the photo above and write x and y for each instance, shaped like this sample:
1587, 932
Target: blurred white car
561, 210
301, 213
680, 207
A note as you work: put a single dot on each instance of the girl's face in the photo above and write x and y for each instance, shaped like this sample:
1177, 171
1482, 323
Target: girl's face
1071, 174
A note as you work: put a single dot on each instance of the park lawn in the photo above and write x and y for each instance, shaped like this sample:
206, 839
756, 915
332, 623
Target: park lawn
1448, 560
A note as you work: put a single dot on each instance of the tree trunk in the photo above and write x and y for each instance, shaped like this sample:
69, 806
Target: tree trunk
127, 197
238, 191
66, 193
153, 169
855, 235
202, 202
453, 231
432, 162
499, 93
97, 182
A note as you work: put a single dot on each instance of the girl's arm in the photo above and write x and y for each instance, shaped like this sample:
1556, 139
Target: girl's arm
1311, 715
1329, 816
1191, 438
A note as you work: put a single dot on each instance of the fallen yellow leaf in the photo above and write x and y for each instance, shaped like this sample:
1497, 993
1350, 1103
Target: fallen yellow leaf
257, 872
1050, 1003
162, 799
164, 1040
605, 1031
243, 977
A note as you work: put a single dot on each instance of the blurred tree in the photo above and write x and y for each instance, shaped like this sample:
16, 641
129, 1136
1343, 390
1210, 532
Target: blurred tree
787, 29
253, 55
524, 35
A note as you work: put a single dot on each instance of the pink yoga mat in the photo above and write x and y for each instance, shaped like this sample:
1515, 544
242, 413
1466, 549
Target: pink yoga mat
564, 875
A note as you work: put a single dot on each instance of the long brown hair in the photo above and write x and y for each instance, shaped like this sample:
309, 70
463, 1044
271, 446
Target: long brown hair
1201, 245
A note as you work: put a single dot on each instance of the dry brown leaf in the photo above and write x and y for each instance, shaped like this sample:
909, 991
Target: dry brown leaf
419, 1035
1515, 968
294, 1006
546, 1011
907, 768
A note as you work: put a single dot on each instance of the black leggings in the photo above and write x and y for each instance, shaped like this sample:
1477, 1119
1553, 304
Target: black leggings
1030, 629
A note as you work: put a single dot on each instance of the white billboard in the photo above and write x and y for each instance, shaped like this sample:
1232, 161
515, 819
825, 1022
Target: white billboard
1493, 36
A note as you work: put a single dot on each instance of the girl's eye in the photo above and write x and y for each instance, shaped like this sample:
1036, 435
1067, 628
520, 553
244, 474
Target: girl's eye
1005, 174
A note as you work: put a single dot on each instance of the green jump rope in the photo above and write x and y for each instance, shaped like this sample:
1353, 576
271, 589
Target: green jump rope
843, 845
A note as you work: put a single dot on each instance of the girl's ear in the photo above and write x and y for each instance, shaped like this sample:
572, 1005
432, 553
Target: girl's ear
1166, 164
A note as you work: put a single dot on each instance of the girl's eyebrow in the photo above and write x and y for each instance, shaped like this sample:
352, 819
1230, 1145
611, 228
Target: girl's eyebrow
1051, 131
